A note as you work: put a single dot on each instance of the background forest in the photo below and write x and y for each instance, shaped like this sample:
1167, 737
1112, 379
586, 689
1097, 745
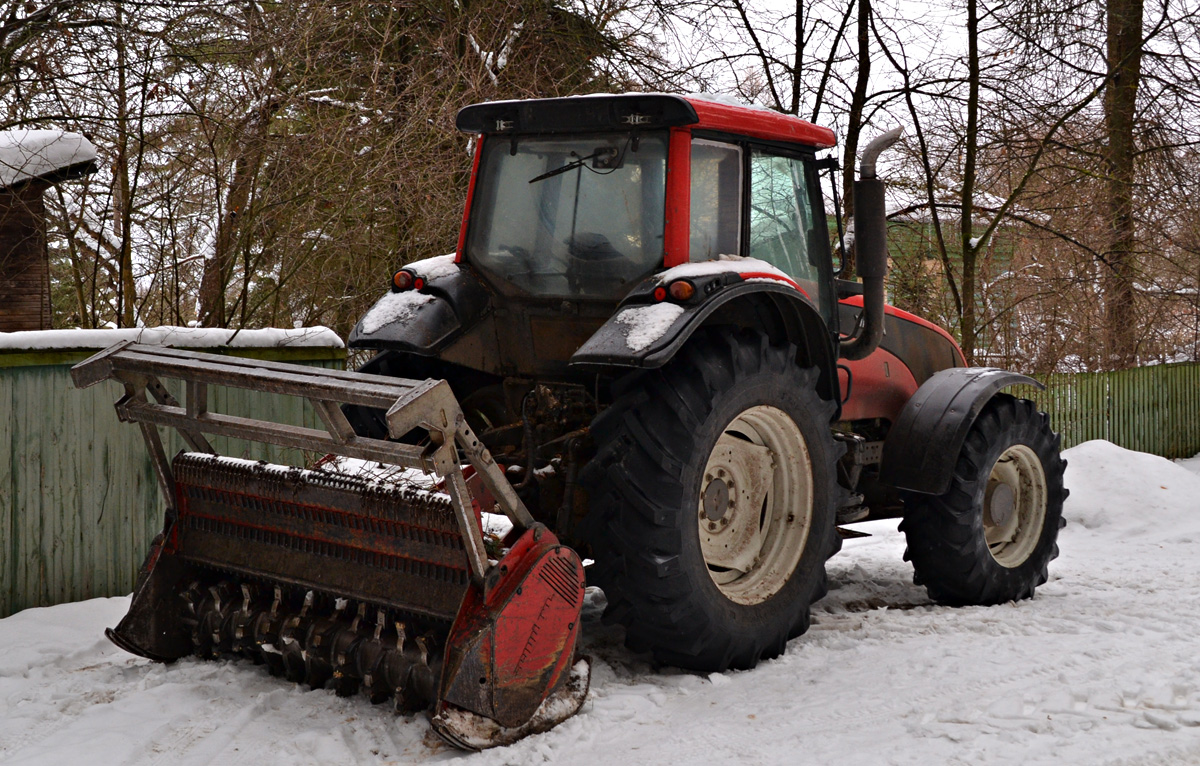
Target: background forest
271, 163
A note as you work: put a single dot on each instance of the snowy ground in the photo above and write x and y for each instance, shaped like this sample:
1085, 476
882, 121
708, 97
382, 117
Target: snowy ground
1103, 667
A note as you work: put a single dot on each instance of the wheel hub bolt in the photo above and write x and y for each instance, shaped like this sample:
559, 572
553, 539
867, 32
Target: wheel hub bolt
1000, 503
716, 499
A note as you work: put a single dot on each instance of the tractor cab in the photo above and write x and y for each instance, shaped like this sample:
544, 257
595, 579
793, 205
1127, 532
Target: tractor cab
576, 205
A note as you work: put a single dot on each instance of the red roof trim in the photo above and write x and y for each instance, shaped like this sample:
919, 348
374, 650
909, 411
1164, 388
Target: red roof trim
760, 123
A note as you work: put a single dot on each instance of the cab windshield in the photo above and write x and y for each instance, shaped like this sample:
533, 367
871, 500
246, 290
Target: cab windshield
569, 216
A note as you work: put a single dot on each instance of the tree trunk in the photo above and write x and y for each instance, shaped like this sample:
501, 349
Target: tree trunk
858, 103
970, 248
218, 270
798, 64
1120, 104
123, 191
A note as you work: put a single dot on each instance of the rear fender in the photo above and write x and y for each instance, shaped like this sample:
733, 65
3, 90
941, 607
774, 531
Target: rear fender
644, 334
424, 321
921, 449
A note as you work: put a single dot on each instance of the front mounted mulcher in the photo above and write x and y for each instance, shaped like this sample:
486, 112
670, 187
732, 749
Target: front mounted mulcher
331, 579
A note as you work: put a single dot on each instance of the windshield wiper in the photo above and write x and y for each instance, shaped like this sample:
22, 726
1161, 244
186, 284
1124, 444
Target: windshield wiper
570, 165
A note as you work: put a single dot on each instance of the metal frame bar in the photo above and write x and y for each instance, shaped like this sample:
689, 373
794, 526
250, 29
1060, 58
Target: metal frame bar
428, 404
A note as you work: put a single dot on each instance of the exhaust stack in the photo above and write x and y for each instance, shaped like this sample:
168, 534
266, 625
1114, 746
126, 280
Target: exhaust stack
870, 227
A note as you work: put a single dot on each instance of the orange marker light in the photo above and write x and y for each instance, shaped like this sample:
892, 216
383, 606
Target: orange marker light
682, 290
402, 280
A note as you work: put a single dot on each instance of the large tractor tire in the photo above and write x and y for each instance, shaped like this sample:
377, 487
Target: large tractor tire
990, 538
712, 503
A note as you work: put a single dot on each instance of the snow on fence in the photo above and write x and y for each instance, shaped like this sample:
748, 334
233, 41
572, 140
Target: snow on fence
79, 503
1149, 409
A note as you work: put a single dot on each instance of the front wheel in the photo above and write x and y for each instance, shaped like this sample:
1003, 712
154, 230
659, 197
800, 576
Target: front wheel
991, 536
712, 503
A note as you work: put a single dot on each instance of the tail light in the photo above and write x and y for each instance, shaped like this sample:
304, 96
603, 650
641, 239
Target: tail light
405, 280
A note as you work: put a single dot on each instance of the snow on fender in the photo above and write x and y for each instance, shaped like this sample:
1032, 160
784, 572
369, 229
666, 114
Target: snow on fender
647, 324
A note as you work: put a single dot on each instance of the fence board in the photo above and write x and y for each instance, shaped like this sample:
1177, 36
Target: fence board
79, 504
1150, 409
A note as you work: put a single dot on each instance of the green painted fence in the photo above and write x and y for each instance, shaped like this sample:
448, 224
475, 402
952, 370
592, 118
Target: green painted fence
1148, 409
79, 503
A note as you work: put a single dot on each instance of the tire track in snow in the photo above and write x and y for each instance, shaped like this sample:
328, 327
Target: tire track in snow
68, 685
201, 743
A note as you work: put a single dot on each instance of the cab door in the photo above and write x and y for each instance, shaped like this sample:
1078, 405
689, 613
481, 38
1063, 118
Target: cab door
786, 224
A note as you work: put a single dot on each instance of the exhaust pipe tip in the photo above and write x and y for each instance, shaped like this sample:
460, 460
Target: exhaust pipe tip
879, 144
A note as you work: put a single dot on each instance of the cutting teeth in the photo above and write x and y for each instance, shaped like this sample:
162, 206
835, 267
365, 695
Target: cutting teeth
314, 640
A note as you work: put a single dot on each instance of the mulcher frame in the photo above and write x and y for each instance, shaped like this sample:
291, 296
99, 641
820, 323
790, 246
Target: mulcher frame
427, 404
508, 669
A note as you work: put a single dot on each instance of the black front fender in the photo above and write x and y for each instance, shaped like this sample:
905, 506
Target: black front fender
426, 321
922, 447
647, 335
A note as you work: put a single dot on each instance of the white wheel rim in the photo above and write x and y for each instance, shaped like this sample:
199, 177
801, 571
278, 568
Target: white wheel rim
1014, 506
756, 505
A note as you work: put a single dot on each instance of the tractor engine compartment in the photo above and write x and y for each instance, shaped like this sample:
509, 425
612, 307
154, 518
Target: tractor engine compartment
537, 429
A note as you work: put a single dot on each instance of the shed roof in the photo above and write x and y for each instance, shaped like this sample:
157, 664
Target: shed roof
51, 155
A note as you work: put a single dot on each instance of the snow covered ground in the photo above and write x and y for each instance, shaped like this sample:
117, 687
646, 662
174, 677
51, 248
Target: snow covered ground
1103, 667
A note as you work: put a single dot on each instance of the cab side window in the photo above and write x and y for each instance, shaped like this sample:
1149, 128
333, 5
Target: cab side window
716, 191
781, 219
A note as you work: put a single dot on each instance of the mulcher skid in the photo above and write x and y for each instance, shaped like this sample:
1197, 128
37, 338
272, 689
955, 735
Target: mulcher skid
332, 579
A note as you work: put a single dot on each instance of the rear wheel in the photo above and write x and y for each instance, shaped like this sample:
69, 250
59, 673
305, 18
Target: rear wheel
991, 536
712, 503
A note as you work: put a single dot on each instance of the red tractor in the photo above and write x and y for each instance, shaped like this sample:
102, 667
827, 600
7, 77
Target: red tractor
642, 349
643, 319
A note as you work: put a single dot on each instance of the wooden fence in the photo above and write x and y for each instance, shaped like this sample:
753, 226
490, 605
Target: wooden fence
1149, 409
79, 503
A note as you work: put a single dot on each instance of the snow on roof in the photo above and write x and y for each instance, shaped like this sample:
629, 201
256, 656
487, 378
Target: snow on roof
187, 337
26, 154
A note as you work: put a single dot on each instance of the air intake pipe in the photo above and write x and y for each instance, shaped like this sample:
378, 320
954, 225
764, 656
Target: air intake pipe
870, 238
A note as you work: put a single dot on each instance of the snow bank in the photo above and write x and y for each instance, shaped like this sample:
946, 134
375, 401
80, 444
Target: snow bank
187, 337
1190, 463
35, 635
26, 154
393, 307
1132, 493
